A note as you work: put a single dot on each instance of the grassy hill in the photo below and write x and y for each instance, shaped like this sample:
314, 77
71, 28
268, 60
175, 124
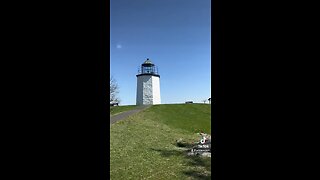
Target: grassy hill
143, 146
190, 117
118, 109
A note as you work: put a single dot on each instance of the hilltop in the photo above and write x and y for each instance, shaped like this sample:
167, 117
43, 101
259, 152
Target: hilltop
144, 145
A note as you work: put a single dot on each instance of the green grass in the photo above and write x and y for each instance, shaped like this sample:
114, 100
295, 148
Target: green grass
190, 117
143, 146
118, 109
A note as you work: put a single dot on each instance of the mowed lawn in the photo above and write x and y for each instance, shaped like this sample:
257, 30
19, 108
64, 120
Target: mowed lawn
143, 146
118, 109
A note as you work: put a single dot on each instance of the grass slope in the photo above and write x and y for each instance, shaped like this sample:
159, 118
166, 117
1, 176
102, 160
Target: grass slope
118, 109
190, 117
143, 146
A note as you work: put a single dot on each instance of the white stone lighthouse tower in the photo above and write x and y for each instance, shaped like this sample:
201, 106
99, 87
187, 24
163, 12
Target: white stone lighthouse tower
148, 84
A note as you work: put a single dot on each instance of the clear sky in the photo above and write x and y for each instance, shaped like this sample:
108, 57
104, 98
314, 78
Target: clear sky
174, 34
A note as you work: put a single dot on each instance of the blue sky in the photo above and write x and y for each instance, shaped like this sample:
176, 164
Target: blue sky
174, 34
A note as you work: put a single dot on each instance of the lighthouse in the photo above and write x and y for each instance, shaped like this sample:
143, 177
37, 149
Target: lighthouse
148, 84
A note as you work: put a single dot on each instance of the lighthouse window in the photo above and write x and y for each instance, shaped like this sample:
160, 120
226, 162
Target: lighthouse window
147, 69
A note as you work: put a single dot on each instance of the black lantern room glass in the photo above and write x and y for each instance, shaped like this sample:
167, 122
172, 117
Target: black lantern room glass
148, 68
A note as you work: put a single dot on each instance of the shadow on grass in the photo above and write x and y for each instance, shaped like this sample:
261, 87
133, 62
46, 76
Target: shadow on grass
197, 175
167, 153
183, 144
198, 161
200, 166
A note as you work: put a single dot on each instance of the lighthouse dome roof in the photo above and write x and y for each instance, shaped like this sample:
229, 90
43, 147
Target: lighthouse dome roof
148, 61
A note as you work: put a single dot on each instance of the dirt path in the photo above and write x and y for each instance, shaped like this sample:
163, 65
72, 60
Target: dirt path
123, 115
